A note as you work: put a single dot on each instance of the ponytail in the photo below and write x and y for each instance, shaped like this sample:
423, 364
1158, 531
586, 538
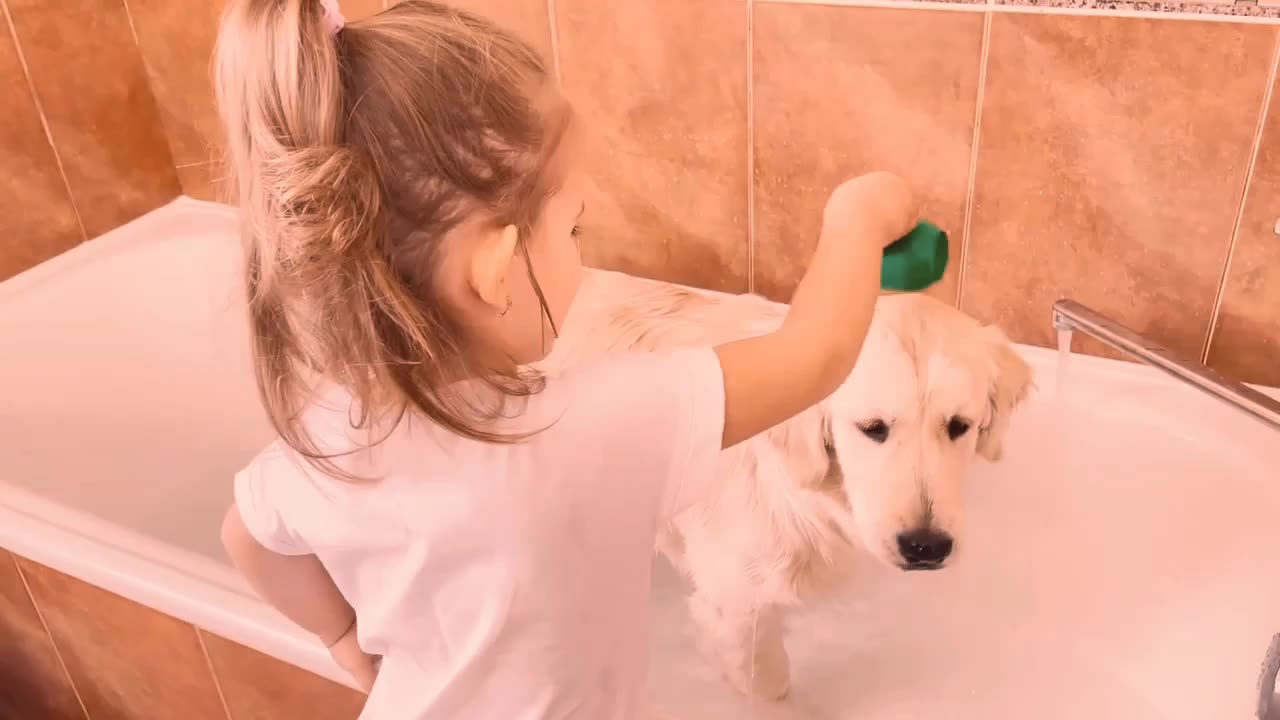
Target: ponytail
353, 151
280, 92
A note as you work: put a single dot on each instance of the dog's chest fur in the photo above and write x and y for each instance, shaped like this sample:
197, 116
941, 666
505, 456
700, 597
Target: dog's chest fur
789, 526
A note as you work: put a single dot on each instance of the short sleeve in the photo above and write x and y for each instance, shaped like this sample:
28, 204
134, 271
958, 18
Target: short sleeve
668, 408
700, 427
262, 492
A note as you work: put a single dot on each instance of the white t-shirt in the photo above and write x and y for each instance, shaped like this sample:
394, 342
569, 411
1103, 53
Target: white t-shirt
505, 582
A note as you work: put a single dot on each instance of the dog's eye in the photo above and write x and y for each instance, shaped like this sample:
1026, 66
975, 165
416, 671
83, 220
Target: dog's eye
956, 427
877, 430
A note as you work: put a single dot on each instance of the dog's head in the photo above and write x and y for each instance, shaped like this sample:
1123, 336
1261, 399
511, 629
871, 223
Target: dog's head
932, 389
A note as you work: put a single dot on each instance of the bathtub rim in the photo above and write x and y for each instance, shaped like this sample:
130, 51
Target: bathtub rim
163, 577
174, 212
212, 596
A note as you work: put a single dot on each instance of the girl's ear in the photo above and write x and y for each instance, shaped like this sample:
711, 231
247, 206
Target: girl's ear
490, 264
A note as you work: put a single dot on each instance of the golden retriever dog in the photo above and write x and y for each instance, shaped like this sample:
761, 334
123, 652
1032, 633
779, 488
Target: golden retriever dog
879, 467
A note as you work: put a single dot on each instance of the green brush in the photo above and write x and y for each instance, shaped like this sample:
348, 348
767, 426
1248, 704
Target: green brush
916, 260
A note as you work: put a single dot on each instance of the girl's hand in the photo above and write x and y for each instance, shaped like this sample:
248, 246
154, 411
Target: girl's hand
303, 591
362, 666
879, 202
818, 344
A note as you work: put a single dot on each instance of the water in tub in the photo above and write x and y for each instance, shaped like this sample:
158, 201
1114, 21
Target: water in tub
1118, 563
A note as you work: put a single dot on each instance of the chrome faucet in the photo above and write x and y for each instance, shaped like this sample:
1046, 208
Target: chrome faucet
1071, 315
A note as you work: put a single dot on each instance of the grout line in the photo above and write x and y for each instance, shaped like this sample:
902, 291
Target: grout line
1216, 312
553, 22
966, 236
208, 661
751, 148
132, 29
993, 6
150, 76
894, 4
57, 652
44, 122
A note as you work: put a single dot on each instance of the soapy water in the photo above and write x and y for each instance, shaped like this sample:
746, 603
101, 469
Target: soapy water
1136, 587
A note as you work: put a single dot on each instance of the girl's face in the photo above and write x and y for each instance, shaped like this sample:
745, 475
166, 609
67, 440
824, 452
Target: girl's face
555, 263
492, 281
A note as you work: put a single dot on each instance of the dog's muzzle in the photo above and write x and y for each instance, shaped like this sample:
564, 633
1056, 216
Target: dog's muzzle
925, 549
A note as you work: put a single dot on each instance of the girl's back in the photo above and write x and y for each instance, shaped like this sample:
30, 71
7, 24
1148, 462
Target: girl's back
502, 581
410, 191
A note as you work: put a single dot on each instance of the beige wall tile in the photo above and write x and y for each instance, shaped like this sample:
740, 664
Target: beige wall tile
354, 10
1246, 342
32, 681
177, 38
127, 661
660, 87
88, 74
1112, 154
206, 181
836, 95
527, 18
257, 687
37, 219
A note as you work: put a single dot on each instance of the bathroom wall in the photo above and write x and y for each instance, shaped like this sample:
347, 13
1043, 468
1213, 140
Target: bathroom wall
1090, 154
176, 39
1124, 154
71, 651
1120, 158
82, 149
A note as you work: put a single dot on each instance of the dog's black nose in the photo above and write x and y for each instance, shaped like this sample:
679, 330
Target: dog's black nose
924, 549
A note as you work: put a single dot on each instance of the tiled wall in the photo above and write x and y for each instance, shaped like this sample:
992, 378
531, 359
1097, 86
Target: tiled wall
1128, 160
70, 651
82, 148
1092, 155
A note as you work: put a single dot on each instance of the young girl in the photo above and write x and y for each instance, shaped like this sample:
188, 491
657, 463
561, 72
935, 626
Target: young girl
410, 189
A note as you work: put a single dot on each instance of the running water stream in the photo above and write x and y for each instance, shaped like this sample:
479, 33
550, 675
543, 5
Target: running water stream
751, 696
1064, 359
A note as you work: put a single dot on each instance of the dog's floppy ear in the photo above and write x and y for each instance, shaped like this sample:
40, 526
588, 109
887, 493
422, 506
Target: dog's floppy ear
1010, 383
802, 449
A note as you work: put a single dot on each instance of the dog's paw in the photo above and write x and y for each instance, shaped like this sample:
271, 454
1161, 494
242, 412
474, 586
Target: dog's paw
763, 675
746, 647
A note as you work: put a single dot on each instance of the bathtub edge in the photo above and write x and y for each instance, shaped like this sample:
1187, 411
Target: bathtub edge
210, 597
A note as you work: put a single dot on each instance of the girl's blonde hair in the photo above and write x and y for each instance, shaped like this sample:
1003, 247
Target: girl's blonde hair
353, 152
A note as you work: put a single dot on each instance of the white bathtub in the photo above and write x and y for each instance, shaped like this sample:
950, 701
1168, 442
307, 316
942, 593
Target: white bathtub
1120, 563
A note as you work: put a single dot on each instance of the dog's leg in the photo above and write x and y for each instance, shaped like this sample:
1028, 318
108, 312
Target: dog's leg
745, 642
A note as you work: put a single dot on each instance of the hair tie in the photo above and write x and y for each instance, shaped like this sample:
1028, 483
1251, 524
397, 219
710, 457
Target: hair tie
333, 16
